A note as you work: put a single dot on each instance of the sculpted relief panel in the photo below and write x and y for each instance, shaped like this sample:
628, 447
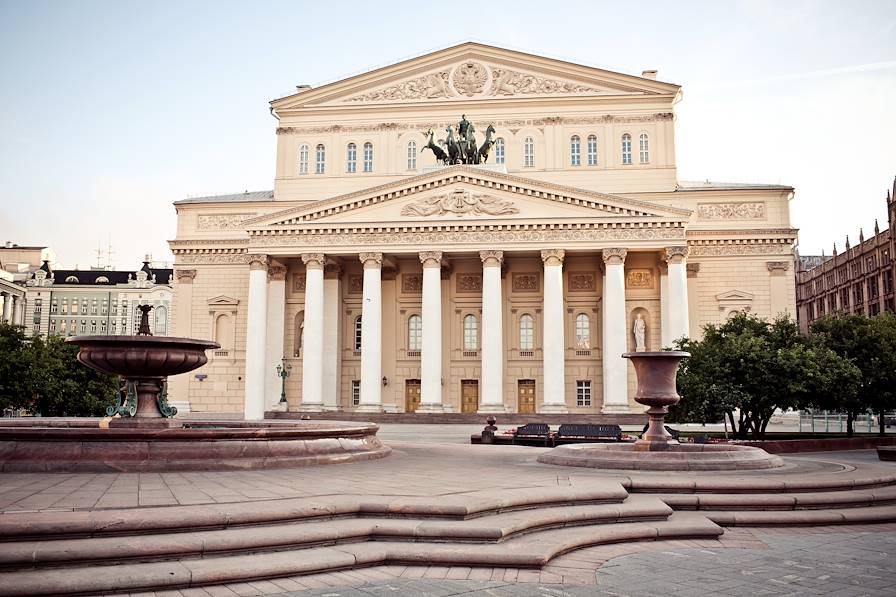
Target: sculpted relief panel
731, 211
221, 221
459, 203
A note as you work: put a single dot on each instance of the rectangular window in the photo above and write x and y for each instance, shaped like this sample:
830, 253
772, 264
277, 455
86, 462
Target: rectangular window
74, 308
356, 392
54, 307
592, 150
583, 392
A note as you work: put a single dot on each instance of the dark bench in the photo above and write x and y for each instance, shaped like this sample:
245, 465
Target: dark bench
533, 432
571, 433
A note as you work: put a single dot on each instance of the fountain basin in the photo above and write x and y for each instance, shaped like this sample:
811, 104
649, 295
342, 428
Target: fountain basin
676, 457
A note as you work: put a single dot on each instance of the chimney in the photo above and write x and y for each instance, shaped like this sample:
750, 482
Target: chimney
649, 74
302, 88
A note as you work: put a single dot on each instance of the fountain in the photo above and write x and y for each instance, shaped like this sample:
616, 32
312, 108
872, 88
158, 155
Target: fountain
141, 434
656, 450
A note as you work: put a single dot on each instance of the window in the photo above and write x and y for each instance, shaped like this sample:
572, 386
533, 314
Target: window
54, 307
71, 280
358, 333
415, 333
356, 392
83, 326
626, 149
583, 392
223, 332
527, 332
102, 280
643, 146
499, 150
74, 307
471, 333
303, 159
412, 155
592, 150
161, 320
529, 152
575, 151
583, 332
321, 159
93, 326
368, 157
351, 164
298, 333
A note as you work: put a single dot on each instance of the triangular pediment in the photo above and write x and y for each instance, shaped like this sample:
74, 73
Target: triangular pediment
734, 296
223, 301
468, 194
474, 71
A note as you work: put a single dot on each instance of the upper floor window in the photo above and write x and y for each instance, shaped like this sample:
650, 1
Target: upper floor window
575, 151
471, 333
499, 150
529, 152
415, 332
303, 159
321, 159
626, 149
412, 155
358, 333
644, 148
368, 157
592, 150
583, 331
351, 164
527, 332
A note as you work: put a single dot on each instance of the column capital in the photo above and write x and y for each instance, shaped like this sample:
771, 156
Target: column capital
777, 267
614, 256
491, 257
257, 261
332, 270
431, 258
277, 272
313, 260
185, 276
371, 260
553, 256
675, 254
692, 269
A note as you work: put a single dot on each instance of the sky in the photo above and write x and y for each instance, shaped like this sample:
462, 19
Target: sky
111, 111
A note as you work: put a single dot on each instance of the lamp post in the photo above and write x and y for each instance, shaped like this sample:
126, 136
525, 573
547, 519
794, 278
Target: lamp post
283, 373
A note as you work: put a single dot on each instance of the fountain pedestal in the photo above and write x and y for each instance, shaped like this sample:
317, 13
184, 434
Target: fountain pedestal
656, 372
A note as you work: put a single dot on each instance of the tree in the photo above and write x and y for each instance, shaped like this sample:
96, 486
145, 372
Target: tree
14, 368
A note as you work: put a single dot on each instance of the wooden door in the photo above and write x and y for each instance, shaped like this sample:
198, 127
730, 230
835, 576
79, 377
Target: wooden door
411, 395
469, 395
526, 395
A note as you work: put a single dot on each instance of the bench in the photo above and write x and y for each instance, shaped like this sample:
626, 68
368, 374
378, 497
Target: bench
571, 433
533, 432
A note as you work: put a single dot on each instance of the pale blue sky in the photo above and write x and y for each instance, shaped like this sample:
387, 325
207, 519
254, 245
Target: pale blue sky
107, 108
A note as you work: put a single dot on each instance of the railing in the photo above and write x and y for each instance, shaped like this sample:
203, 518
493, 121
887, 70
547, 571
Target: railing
470, 353
413, 353
527, 353
222, 353
583, 353
833, 422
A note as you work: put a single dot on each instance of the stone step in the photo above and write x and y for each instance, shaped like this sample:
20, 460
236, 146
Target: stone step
686, 484
872, 515
877, 496
494, 528
532, 550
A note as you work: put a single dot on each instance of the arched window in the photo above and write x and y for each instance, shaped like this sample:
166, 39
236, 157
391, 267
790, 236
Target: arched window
224, 332
499, 150
71, 280
358, 333
368, 157
643, 146
626, 149
415, 332
471, 333
321, 159
351, 163
412, 155
102, 280
527, 332
592, 150
583, 331
303, 159
298, 334
161, 321
529, 152
575, 151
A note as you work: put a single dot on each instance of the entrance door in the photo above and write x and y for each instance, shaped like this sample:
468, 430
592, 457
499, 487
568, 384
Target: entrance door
526, 394
469, 395
411, 395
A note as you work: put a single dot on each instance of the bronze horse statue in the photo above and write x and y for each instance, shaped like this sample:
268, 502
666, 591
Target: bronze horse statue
471, 155
453, 147
437, 151
486, 146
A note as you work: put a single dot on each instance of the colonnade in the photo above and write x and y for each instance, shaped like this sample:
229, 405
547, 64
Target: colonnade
13, 308
314, 368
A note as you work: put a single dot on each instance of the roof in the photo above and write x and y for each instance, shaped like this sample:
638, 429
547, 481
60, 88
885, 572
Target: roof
89, 277
245, 197
707, 185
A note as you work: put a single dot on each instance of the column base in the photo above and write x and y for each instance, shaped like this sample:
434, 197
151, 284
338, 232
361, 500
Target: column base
559, 409
279, 407
310, 407
616, 409
369, 408
330, 408
491, 408
432, 407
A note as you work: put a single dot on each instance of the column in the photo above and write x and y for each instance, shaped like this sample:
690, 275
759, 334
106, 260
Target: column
371, 334
554, 351
615, 368
678, 292
256, 327
492, 375
665, 336
276, 330
7, 307
693, 298
182, 326
332, 333
18, 310
431, 353
313, 338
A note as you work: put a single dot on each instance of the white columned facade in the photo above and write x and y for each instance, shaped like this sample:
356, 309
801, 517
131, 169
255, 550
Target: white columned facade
371, 334
256, 328
492, 397
665, 336
554, 341
678, 292
332, 364
615, 368
18, 310
276, 317
431, 350
313, 333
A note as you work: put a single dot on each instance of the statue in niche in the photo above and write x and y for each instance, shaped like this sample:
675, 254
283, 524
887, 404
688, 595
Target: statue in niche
639, 329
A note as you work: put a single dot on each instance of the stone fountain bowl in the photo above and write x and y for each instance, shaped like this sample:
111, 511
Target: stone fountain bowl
142, 356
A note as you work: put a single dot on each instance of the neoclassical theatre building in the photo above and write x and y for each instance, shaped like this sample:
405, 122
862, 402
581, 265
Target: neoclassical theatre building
383, 279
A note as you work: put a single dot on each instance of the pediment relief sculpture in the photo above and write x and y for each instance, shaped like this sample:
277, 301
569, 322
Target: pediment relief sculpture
460, 203
511, 82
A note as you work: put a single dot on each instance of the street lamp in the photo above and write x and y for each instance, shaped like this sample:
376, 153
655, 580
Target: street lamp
283, 373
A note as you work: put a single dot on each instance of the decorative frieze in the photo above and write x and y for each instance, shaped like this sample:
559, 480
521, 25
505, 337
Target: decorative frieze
639, 279
731, 211
459, 202
582, 282
726, 249
221, 221
511, 82
467, 283
412, 283
431, 86
526, 282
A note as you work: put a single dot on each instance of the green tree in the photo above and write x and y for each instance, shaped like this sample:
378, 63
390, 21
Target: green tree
837, 386
14, 368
